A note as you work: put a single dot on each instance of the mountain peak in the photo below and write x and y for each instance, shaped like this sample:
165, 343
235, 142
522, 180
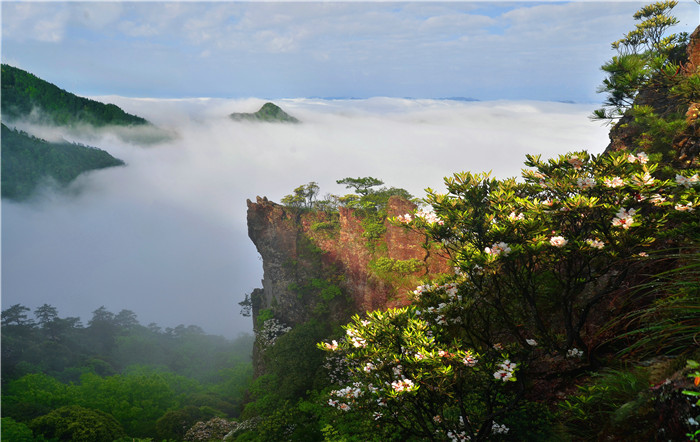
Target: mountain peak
269, 112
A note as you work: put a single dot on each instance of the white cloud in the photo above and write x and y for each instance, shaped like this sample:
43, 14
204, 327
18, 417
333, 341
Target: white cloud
166, 235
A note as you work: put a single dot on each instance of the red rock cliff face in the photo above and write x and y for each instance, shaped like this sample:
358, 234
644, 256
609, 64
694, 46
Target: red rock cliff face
294, 251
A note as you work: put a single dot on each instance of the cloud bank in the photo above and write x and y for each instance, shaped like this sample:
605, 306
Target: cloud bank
166, 235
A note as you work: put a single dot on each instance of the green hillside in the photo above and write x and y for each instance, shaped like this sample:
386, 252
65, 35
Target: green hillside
27, 161
26, 96
269, 112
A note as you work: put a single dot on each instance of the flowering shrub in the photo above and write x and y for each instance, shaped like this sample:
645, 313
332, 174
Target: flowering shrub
271, 330
539, 254
213, 429
408, 372
532, 259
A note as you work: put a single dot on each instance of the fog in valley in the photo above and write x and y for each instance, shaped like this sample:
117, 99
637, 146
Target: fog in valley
166, 236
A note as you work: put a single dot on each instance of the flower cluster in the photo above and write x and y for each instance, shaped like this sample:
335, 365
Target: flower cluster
575, 161
507, 369
684, 207
585, 183
429, 217
214, 429
406, 219
271, 330
558, 241
595, 243
623, 218
574, 353
355, 339
499, 248
615, 181
687, 181
403, 385
458, 437
499, 428
469, 360
641, 157
516, 216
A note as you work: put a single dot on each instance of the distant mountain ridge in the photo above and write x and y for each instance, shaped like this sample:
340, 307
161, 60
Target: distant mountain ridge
28, 161
269, 112
26, 96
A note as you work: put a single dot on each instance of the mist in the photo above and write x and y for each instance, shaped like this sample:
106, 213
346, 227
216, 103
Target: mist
165, 236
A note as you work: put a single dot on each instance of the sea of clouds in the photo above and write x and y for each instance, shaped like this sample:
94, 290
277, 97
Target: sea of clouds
166, 236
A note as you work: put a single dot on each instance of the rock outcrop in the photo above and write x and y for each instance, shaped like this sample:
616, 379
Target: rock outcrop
307, 255
293, 250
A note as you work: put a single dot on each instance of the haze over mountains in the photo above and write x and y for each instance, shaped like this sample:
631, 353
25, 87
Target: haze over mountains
165, 236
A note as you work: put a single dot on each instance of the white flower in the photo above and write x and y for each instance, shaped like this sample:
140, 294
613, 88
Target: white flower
429, 217
643, 180
623, 218
499, 428
498, 249
657, 199
358, 342
558, 241
615, 181
503, 375
574, 353
687, 182
402, 385
404, 218
585, 183
684, 208
531, 342
642, 157
516, 216
506, 371
595, 243
507, 365
332, 346
575, 161
369, 367
469, 360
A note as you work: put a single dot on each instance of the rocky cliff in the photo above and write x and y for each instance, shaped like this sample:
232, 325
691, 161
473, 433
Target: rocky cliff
320, 265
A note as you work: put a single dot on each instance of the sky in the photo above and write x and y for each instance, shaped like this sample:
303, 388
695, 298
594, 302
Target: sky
166, 236
483, 50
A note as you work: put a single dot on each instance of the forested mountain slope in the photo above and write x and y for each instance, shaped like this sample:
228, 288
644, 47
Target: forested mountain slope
25, 96
28, 161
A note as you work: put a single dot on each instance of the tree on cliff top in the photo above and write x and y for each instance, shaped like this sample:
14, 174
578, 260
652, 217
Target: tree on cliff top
644, 55
303, 196
361, 186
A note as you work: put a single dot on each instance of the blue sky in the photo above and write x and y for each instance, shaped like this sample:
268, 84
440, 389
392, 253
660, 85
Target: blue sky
484, 50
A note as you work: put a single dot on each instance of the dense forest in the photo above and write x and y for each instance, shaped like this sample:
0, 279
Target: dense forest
28, 162
114, 378
25, 96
